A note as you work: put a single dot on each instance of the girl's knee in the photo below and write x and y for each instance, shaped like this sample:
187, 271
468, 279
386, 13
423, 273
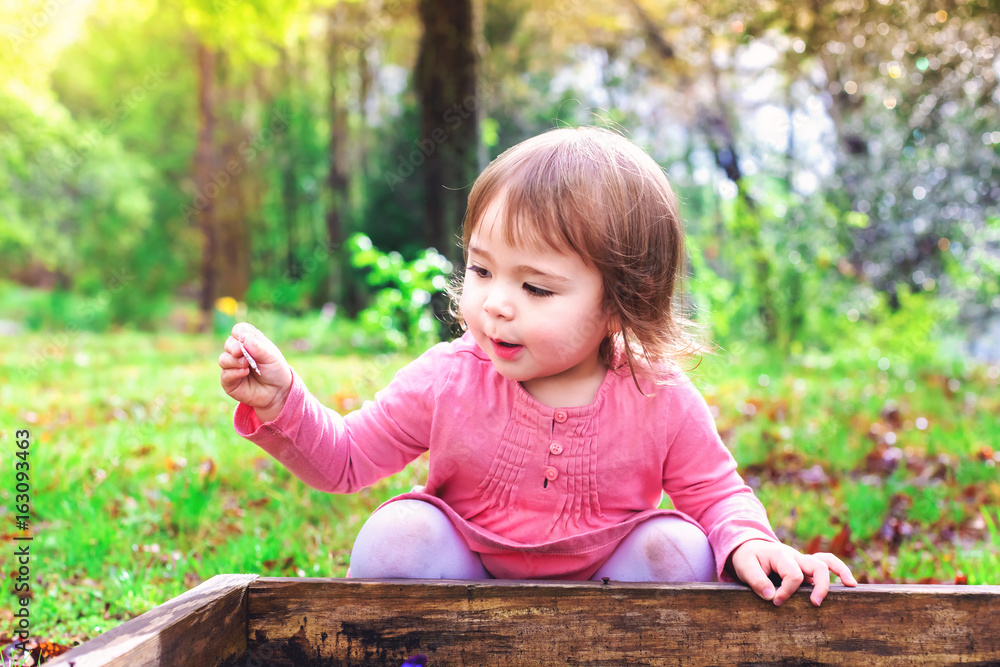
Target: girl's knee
407, 519
677, 550
382, 545
412, 538
662, 549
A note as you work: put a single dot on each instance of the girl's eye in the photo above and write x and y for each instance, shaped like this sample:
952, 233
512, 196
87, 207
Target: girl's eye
536, 291
478, 270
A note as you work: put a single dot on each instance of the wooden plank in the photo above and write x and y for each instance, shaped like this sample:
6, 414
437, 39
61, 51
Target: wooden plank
339, 622
206, 626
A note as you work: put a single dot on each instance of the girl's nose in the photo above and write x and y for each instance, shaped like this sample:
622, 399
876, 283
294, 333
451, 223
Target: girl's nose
497, 304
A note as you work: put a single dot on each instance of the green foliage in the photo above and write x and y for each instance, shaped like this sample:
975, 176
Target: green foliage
765, 264
293, 296
46, 160
776, 272
76, 205
392, 184
401, 311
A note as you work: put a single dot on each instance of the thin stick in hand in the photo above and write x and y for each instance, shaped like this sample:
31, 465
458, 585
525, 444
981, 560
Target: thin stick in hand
253, 364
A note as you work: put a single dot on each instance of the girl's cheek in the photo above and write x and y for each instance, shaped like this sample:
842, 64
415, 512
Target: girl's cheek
467, 302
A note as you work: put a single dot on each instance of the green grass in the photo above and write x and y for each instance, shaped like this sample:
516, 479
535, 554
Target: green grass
141, 488
903, 459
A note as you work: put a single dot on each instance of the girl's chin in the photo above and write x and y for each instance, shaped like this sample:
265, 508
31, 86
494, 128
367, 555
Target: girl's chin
510, 374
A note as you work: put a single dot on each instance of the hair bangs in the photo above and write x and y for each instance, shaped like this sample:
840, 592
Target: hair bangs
547, 201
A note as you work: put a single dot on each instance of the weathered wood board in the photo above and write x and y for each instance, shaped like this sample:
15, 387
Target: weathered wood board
204, 627
339, 622
243, 620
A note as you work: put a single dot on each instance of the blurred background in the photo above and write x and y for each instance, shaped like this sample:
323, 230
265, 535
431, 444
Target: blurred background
170, 167
835, 162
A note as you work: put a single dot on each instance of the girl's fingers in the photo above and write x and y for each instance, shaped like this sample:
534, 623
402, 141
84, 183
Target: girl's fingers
752, 565
818, 572
790, 573
757, 580
230, 360
227, 360
241, 331
755, 560
249, 342
839, 568
233, 347
232, 377
248, 335
818, 567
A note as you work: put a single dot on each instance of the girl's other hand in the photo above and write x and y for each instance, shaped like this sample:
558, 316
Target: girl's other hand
753, 561
265, 391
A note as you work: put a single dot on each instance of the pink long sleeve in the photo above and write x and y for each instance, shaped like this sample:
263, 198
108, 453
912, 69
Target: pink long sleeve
344, 454
700, 476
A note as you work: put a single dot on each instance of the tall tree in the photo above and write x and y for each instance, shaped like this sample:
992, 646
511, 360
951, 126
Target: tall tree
449, 117
289, 169
337, 180
248, 30
235, 180
204, 158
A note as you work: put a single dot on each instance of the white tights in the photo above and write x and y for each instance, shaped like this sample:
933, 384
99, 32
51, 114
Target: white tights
411, 539
665, 548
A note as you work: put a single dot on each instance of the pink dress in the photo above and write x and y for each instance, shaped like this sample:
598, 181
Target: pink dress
538, 492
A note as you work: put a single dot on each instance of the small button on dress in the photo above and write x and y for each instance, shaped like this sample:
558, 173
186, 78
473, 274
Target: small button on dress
556, 448
560, 416
551, 474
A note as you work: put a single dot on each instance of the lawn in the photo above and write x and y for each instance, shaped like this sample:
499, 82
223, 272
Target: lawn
141, 489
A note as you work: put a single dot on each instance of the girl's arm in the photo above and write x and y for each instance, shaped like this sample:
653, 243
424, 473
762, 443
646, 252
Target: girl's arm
343, 454
701, 478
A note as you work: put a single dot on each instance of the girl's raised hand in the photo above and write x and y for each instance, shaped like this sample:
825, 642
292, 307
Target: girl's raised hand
753, 561
266, 389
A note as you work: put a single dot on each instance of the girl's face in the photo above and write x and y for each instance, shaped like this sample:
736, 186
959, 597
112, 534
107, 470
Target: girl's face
537, 313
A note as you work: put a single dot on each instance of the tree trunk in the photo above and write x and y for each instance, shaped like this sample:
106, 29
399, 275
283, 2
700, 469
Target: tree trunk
366, 79
337, 180
289, 191
449, 126
203, 169
267, 257
231, 176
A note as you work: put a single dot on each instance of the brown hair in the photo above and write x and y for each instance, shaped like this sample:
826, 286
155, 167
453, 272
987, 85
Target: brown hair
591, 191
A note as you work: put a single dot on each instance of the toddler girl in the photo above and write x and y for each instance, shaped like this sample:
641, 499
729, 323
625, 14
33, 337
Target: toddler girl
560, 417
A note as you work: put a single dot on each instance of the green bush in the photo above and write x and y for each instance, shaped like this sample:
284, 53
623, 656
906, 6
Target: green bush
401, 312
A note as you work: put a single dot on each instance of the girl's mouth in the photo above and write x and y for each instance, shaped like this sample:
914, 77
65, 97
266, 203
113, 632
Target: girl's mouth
505, 350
